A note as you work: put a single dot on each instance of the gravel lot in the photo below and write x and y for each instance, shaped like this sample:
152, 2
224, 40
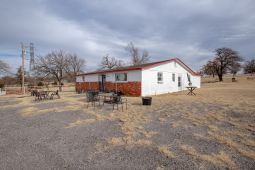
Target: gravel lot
213, 130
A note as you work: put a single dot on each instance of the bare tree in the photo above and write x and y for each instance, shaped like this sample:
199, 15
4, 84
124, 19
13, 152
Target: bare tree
225, 58
136, 58
19, 75
110, 63
4, 67
75, 65
9, 80
250, 67
209, 68
53, 64
234, 68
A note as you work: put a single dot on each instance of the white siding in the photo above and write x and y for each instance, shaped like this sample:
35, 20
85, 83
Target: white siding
132, 76
150, 85
79, 79
91, 78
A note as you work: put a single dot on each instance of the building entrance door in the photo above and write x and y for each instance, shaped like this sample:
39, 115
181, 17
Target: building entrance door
102, 82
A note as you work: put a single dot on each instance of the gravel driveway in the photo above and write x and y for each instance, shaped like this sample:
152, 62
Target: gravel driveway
176, 132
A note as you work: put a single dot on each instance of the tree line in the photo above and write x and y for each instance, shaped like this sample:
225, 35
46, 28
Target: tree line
225, 61
58, 65
54, 66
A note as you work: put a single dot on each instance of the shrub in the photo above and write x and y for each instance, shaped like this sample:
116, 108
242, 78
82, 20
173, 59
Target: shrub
1, 85
40, 84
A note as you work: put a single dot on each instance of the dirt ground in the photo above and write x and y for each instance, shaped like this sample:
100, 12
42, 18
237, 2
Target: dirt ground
213, 130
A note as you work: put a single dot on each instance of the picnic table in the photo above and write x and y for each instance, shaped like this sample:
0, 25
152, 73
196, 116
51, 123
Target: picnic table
108, 97
114, 99
46, 94
191, 90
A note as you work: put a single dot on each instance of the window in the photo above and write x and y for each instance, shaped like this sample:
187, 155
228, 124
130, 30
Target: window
179, 82
160, 77
83, 78
173, 77
120, 76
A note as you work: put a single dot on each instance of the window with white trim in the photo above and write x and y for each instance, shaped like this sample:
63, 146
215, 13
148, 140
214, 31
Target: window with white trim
120, 76
160, 77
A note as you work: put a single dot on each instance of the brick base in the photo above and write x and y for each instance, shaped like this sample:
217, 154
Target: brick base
128, 88
14, 90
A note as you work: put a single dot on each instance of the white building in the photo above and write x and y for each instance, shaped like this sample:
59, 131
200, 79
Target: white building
142, 80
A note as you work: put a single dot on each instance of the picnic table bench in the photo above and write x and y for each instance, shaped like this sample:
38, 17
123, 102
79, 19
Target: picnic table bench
191, 90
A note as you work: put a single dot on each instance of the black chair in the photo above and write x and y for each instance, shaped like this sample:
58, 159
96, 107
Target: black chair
33, 92
92, 97
54, 94
117, 99
38, 95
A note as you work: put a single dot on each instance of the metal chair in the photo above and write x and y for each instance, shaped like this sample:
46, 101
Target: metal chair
92, 97
54, 94
117, 99
38, 95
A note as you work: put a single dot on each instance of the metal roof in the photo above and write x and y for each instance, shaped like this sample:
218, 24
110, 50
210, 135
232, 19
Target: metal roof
142, 67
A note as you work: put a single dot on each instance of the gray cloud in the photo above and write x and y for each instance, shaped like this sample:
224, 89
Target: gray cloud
187, 29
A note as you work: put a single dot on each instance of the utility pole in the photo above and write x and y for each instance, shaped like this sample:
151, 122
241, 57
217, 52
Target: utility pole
32, 60
23, 53
31, 66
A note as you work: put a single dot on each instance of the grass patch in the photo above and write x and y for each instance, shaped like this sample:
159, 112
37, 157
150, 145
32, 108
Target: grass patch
165, 150
80, 122
220, 159
223, 139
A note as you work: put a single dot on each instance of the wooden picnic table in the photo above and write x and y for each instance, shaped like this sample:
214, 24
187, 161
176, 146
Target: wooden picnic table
191, 90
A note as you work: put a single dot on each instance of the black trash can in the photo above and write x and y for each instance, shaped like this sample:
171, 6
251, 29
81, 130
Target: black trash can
147, 100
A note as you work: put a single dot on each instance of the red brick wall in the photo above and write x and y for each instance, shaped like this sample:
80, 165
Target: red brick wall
14, 90
127, 88
87, 86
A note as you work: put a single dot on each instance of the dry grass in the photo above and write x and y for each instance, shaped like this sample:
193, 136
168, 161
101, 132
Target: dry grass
124, 141
80, 122
160, 168
177, 123
162, 119
165, 150
149, 134
211, 110
224, 139
220, 159
200, 136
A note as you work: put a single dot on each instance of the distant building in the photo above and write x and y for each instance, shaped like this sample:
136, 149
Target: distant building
141, 80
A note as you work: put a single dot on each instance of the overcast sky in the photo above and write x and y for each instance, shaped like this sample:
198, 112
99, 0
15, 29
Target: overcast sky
188, 29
